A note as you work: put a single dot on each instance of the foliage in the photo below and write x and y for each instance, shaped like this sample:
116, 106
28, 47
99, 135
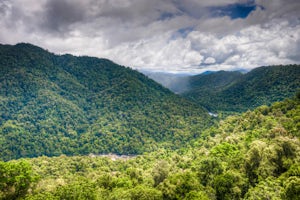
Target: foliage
15, 179
52, 105
252, 156
229, 92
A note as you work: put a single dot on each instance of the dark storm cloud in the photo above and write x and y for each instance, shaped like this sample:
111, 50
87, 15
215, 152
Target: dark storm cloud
191, 8
59, 14
168, 35
4, 6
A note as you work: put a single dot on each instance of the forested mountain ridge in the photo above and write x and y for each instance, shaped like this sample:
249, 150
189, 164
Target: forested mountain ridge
252, 156
52, 105
236, 92
214, 81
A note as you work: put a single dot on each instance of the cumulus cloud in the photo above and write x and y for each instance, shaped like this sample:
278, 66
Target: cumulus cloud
171, 35
210, 60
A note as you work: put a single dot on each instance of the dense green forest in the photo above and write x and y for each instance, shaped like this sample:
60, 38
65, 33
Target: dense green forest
86, 128
252, 156
236, 92
52, 105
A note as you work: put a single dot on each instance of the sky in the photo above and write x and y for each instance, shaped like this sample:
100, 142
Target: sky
177, 36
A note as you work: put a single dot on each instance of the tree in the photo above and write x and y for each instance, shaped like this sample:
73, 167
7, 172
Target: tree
209, 167
179, 185
160, 172
267, 189
145, 193
15, 179
79, 190
292, 188
230, 185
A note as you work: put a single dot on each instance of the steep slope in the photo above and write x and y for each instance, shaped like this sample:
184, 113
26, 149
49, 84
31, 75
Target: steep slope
235, 92
252, 156
214, 81
52, 105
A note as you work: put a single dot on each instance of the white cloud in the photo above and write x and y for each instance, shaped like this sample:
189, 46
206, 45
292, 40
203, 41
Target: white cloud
210, 60
169, 35
250, 47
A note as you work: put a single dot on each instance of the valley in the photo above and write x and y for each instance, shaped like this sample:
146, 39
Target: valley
216, 91
53, 105
78, 127
236, 159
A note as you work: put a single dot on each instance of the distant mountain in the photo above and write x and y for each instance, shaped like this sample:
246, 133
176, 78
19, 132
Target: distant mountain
181, 83
216, 81
52, 105
237, 92
177, 83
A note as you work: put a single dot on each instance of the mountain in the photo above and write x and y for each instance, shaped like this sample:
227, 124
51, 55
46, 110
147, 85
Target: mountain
181, 83
237, 92
177, 83
251, 156
212, 82
61, 104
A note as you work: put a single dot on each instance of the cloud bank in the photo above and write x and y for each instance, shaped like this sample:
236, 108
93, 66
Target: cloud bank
189, 36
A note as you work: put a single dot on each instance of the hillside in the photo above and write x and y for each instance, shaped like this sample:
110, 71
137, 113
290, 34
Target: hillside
214, 81
52, 105
236, 92
252, 156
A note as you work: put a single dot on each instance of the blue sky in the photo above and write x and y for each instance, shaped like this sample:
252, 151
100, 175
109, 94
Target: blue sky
234, 11
179, 36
